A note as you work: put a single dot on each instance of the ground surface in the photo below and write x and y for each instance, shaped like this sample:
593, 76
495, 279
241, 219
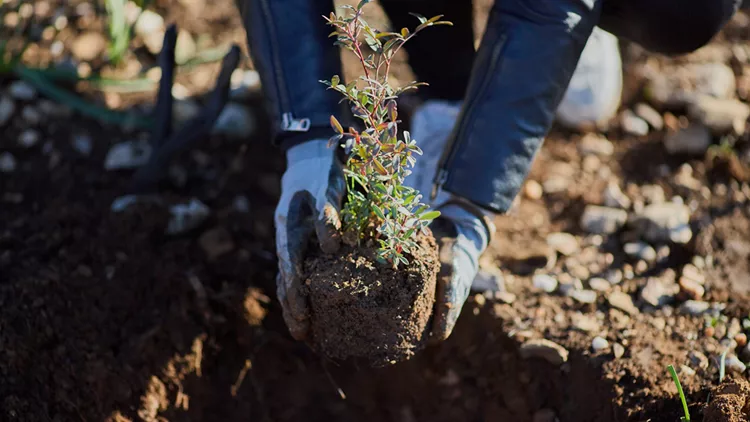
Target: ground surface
103, 316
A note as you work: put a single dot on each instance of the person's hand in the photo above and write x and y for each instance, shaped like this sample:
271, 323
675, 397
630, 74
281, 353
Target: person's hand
311, 192
462, 233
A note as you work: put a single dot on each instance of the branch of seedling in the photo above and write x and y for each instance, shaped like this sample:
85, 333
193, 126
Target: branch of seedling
378, 205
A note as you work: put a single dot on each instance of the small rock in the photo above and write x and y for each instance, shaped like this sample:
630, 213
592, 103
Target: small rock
698, 359
692, 272
618, 350
602, 220
82, 143
216, 242
151, 28
591, 163
653, 194
184, 110
714, 79
694, 307
88, 46
584, 296
555, 184
532, 189
599, 344
488, 281
640, 250
185, 48
741, 339
632, 124
21, 90
658, 293
650, 115
241, 204
235, 122
127, 155
31, 115
53, 109
668, 222
585, 323
691, 289
568, 284
614, 276
28, 138
7, 163
186, 217
545, 283
544, 415
623, 302
564, 243
593, 143
734, 364
686, 371
599, 284
544, 349
614, 197
121, 203
505, 297
7, 108
694, 140
722, 116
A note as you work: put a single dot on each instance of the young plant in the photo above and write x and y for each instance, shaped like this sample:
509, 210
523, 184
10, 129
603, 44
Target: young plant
676, 380
378, 204
120, 31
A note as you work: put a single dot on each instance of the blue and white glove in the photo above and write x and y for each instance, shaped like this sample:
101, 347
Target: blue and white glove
311, 192
462, 231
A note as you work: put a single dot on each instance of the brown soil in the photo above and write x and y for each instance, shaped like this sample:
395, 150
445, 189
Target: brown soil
365, 310
730, 402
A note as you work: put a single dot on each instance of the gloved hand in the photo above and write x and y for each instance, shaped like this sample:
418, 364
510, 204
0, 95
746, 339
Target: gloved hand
462, 232
311, 192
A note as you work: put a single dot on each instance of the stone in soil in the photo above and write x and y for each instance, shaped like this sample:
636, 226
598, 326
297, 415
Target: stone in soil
28, 138
21, 90
618, 350
722, 116
7, 163
695, 308
623, 302
614, 197
632, 124
596, 144
185, 48
599, 343
658, 292
127, 155
533, 190
599, 284
216, 242
698, 359
362, 310
544, 349
185, 217
602, 220
650, 115
7, 108
544, 282
693, 140
88, 46
235, 122
640, 250
734, 364
691, 289
488, 280
584, 296
82, 143
667, 222
564, 243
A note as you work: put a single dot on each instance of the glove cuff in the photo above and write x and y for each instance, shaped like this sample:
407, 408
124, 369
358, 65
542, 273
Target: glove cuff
311, 150
465, 214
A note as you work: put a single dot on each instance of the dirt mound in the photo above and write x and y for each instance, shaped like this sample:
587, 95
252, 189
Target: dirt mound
730, 402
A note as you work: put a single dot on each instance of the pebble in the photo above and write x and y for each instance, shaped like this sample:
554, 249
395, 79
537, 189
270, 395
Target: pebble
640, 250
667, 222
7, 162
602, 220
555, 184
694, 140
596, 144
82, 143
584, 296
632, 124
691, 289
564, 243
505, 297
618, 350
658, 293
585, 323
184, 110
185, 47
741, 339
544, 349
745, 353
653, 194
622, 301
713, 79
694, 307
7, 108
28, 138
88, 46
241, 204
533, 190
614, 197
650, 115
599, 284
614, 276
698, 359
21, 90
186, 217
31, 115
599, 343
127, 155
151, 28
235, 122
216, 242
734, 364
544, 282
721, 116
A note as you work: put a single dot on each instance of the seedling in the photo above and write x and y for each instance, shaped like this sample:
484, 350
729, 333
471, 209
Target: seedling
723, 366
378, 205
119, 30
676, 380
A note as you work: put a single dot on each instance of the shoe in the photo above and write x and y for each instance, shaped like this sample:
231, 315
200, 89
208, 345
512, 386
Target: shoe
594, 93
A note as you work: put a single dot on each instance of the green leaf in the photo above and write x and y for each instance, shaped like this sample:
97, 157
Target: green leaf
362, 4
429, 216
336, 125
421, 18
434, 18
335, 80
380, 35
378, 212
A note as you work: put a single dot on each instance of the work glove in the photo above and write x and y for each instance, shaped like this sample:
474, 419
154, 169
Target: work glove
311, 192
